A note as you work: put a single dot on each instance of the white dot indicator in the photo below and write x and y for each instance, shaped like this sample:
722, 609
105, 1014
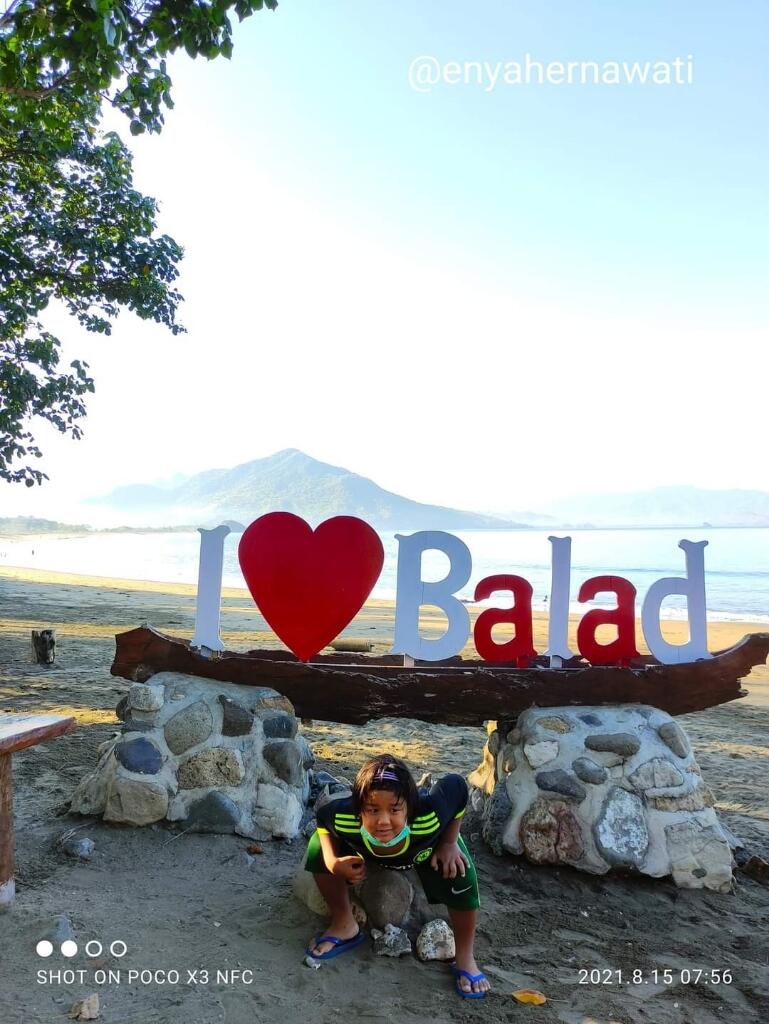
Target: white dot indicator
93, 948
114, 948
68, 948
44, 948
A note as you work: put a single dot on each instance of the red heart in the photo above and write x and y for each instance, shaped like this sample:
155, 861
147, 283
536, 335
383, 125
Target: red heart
309, 585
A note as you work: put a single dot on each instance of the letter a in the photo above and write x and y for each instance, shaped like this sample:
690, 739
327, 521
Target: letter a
521, 648
621, 650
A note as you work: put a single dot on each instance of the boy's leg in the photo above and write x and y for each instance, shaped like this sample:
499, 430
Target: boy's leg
463, 924
335, 892
460, 895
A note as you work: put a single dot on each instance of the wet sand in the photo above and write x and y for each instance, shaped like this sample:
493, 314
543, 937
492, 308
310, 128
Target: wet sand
193, 903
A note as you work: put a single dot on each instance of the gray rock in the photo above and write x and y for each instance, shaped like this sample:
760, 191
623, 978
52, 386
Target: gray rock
279, 725
236, 719
386, 896
139, 755
623, 743
390, 942
61, 930
436, 941
493, 743
285, 757
308, 758
131, 802
122, 708
214, 813
189, 727
82, 849
620, 832
700, 856
589, 771
215, 766
133, 724
673, 735
559, 781
496, 811
146, 697
657, 773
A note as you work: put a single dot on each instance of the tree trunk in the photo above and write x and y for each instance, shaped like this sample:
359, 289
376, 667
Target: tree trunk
43, 646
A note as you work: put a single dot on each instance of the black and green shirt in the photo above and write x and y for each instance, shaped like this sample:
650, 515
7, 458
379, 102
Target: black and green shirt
436, 809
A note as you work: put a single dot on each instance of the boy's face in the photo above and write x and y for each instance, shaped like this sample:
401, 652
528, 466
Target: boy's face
383, 814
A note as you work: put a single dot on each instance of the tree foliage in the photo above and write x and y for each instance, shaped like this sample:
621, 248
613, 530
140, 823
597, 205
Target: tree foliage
72, 226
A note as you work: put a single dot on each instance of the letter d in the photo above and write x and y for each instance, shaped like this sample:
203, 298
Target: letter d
693, 589
413, 592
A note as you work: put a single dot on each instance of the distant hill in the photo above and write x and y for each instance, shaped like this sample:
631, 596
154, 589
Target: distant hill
666, 506
289, 481
20, 526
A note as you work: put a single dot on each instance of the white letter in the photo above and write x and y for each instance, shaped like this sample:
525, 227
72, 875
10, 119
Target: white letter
412, 592
493, 74
693, 589
210, 589
558, 627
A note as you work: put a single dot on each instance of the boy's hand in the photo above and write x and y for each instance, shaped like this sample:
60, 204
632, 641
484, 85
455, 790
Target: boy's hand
449, 856
351, 868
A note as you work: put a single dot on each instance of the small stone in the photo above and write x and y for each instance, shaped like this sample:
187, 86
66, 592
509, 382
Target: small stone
493, 743
236, 719
215, 812
620, 832
514, 736
386, 896
589, 771
540, 753
216, 766
506, 760
122, 708
60, 931
672, 734
697, 800
308, 758
590, 719
139, 755
391, 942
146, 697
559, 781
757, 868
436, 941
554, 724
623, 743
189, 727
82, 849
86, 1009
285, 758
279, 725
658, 773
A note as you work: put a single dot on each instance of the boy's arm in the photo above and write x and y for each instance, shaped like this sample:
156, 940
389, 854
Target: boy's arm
352, 868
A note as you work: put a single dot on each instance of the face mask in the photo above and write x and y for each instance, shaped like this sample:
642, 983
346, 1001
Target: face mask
404, 832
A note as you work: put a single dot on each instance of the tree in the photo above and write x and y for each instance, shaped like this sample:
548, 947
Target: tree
72, 227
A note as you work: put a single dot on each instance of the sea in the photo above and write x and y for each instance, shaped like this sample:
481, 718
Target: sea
736, 562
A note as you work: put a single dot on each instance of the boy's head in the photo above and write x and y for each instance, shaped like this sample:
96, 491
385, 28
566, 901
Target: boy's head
384, 795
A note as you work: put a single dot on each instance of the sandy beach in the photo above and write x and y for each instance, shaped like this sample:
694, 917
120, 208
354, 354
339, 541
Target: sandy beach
197, 903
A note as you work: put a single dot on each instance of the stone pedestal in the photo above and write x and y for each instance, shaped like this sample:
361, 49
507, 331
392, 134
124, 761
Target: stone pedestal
600, 788
212, 756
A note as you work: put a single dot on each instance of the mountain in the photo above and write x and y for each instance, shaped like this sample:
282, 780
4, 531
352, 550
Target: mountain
666, 506
288, 481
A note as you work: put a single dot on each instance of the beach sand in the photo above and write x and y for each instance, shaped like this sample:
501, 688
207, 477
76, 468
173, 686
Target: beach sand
193, 903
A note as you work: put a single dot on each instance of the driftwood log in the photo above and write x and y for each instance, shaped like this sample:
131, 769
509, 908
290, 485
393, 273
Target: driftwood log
43, 646
355, 689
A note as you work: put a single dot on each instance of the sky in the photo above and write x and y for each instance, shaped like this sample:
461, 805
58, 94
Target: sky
484, 297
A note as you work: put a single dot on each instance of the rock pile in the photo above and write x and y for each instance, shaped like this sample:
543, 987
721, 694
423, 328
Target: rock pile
601, 788
212, 756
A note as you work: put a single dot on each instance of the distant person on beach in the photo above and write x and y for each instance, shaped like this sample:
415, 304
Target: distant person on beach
388, 821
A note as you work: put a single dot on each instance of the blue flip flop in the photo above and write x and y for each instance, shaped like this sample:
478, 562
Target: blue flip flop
471, 978
340, 945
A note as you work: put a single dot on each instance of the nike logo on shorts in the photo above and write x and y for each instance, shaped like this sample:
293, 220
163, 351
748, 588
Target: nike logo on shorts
458, 891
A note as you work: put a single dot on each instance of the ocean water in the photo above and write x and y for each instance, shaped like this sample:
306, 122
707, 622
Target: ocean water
736, 561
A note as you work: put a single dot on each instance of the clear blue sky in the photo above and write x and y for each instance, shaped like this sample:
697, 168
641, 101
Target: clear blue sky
480, 298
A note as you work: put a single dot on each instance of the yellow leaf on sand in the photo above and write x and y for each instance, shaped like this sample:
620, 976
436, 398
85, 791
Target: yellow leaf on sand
529, 995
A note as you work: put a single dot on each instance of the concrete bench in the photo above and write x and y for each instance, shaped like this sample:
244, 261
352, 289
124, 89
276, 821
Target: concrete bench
16, 733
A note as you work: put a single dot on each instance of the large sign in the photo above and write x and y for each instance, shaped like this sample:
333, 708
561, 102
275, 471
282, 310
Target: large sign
310, 584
